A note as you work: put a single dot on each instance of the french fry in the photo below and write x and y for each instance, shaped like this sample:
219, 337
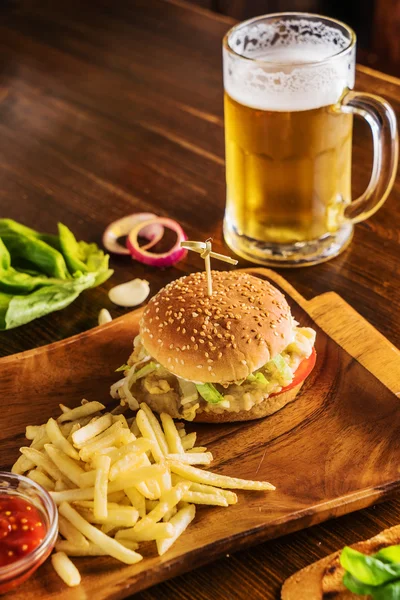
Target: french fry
157, 531
168, 501
71, 495
129, 543
180, 522
72, 549
148, 432
60, 486
68, 466
129, 462
201, 498
109, 529
100, 509
162, 442
115, 496
71, 533
189, 440
194, 458
56, 437
31, 431
150, 489
222, 481
171, 434
116, 434
151, 504
22, 465
87, 479
40, 459
139, 446
80, 412
122, 516
120, 419
68, 429
110, 545
90, 504
231, 497
168, 516
165, 482
130, 480
65, 569
137, 500
91, 430
40, 439
42, 479
135, 429
63, 408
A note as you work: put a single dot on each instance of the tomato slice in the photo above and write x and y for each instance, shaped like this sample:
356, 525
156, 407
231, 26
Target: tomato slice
302, 371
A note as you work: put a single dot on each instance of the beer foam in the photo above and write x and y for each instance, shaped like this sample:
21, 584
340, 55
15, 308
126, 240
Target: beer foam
302, 70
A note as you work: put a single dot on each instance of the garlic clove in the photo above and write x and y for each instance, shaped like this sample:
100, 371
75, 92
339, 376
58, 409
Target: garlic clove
129, 294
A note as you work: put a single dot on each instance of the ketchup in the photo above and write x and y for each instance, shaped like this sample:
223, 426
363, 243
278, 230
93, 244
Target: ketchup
22, 528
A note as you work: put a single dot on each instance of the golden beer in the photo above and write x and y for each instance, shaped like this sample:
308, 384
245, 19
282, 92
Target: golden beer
288, 173
289, 106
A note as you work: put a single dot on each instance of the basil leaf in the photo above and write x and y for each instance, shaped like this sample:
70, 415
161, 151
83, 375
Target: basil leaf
390, 591
356, 586
368, 569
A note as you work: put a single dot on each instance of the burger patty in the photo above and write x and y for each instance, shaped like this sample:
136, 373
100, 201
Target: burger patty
162, 390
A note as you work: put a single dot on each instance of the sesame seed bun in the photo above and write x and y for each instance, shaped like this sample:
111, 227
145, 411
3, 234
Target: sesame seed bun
219, 338
264, 409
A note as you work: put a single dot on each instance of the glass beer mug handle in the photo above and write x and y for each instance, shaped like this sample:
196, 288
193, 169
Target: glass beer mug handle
382, 121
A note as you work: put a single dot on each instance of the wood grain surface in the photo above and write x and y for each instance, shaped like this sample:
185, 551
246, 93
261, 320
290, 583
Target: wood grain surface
344, 421
113, 107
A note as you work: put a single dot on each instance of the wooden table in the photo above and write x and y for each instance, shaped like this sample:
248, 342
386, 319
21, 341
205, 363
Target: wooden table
114, 107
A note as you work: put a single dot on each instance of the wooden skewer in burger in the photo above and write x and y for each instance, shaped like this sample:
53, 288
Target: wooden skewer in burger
217, 346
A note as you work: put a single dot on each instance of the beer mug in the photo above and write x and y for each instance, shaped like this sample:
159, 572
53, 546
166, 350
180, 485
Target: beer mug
288, 134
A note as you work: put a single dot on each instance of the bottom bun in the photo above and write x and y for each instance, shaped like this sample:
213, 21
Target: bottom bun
265, 408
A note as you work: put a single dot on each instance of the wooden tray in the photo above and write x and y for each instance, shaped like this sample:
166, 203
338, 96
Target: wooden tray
334, 450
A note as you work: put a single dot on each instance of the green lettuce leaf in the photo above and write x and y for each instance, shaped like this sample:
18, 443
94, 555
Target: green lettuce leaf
257, 378
23, 309
122, 368
41, 273
278, 366
143, 372
39, 254
209, 393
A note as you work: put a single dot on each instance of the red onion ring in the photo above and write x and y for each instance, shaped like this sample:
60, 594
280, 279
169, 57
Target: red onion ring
121, 227
165, 259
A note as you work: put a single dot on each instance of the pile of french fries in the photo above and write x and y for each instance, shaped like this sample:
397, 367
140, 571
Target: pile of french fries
120, 481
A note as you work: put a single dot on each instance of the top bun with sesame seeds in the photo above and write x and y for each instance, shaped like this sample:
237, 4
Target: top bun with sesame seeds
220, 338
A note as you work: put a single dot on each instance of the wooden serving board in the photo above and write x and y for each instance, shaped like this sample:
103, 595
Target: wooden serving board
334, 450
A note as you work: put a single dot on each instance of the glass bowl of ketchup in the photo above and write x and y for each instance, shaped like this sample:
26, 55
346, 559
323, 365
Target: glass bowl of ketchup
28, 528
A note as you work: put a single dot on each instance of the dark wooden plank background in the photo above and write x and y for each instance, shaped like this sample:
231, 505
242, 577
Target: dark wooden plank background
114, 107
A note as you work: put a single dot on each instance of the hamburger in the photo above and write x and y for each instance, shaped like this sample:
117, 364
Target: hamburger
236, 355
